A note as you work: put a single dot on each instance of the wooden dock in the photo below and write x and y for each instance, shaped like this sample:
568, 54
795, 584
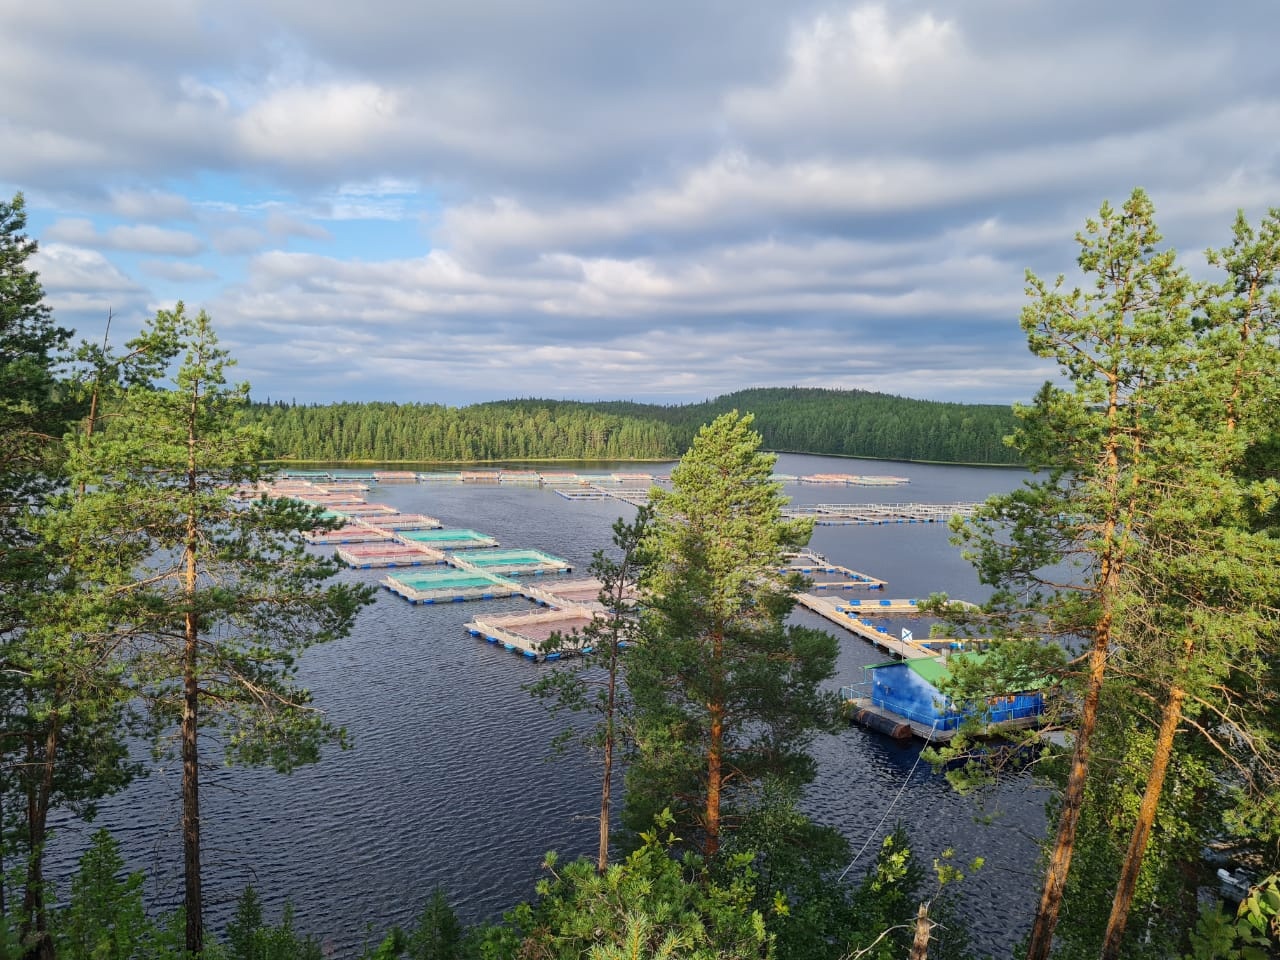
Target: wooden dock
827, 575
856, 616
837, 611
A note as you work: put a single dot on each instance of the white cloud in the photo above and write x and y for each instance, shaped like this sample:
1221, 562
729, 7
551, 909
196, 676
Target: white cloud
178, 271
64, 268
139, 239
669, 197
149, 239
309, 125
280, 224
150, 205
237, 240
73, 230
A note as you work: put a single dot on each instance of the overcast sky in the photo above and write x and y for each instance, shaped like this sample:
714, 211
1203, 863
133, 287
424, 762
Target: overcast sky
666, 200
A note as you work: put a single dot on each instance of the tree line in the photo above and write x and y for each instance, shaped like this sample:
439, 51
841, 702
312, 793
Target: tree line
852, 423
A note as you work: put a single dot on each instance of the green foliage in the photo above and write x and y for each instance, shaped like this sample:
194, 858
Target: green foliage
438, 935
592, 680
165, 469
30, 416
725, 692
516, 430
807, 907
884, 904
59, 706
105, 919
1252, 934
649, 907
249, 937
858, 423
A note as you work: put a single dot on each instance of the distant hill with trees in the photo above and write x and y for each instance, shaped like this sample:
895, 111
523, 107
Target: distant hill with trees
853, 423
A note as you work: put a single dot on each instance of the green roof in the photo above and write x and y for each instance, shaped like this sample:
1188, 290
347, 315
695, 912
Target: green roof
934, 672
929, 669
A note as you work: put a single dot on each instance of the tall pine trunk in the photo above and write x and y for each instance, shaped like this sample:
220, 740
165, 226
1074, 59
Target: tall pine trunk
35, 920
191, 780
1040, 942
192, 899
715, 779
1055, 881
610, 732
715, 751
1170, 717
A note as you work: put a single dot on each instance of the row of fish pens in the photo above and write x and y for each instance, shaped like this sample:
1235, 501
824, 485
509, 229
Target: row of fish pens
368, 542
877, 514
854, 480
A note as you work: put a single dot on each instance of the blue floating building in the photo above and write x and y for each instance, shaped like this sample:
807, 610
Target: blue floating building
903, 698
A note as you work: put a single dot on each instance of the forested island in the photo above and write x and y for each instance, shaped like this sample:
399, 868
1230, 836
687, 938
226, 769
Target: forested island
850, 423
150, 589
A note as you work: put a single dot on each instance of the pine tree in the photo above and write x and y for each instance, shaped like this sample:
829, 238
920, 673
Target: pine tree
1207, 580
593, 679
213, 598
1058, 549
725, 693
59, 714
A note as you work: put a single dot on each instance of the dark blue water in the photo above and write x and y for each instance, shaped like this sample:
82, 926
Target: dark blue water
449, 781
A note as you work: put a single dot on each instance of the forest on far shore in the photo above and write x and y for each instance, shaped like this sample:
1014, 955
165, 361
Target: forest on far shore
851, 423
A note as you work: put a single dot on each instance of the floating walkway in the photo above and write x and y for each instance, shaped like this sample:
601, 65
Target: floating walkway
392, 553
568, 593
511, 561
404, 521
351, 533
441, 539
876, 514
855, 619
857, 616
450, 586
855, 480
528, 633
829, 576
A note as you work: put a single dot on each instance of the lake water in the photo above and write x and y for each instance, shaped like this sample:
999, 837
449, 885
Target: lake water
449, 782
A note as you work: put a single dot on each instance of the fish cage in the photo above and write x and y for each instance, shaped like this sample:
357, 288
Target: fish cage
449, 586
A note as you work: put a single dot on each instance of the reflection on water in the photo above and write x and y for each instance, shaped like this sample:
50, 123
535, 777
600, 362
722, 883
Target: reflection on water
449, 782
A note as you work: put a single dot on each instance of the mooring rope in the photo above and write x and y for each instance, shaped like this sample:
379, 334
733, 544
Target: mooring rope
892, 803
